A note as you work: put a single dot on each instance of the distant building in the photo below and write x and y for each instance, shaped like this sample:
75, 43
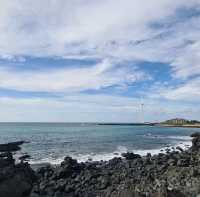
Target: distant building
177, 121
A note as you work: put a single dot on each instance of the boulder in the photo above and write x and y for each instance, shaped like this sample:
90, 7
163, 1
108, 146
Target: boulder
16, 180
131, 156
196, 134
24, 158
69, 162
6, 159
11, 147
179, 148
195, 141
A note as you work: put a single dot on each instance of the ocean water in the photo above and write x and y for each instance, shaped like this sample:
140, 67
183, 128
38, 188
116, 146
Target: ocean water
51, 142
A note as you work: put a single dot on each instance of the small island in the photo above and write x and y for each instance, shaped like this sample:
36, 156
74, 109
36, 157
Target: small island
179, 122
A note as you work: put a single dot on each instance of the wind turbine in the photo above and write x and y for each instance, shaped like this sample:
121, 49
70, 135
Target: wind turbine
142, 111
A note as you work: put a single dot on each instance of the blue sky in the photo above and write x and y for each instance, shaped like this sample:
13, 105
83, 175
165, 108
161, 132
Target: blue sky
92, 60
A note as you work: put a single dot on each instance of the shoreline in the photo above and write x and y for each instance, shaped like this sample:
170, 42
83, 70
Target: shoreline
176, 126
108, 124
100, 157
184, 144
175, 173
154, 152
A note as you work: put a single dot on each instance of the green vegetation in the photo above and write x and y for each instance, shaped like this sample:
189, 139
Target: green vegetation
180, 122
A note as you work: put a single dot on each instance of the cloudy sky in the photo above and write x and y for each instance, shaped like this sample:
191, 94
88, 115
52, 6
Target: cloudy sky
99, 60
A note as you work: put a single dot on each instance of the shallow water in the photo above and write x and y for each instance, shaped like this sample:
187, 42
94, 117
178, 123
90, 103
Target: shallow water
50, 142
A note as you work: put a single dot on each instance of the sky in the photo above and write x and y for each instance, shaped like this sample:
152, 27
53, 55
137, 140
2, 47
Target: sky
99, 60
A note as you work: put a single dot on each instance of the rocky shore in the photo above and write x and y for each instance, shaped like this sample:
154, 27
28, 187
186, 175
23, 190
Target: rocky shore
173, 174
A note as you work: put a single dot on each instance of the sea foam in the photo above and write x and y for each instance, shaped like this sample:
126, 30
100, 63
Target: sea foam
183, 142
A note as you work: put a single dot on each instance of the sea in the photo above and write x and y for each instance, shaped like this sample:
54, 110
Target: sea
51, 142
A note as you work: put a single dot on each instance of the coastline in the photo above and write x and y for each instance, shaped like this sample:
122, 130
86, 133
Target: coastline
182, 126
164, 174
151, 124
182, 141
94, 143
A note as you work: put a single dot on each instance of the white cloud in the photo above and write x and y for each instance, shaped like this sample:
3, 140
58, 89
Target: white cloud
98, 76
186, 92
106, 29
61, 28
114, 31
95, 108
188, 62
73, 108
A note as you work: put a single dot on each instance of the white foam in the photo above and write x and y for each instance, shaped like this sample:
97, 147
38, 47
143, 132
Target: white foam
182, 141
47, 160
178, 137
85, 157
144, 152
187, 138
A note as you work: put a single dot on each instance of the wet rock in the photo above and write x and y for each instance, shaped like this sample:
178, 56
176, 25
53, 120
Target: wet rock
131, 156
12, 146
196, 134
115, 161
24, 158
174, 174
168, 150
6, 159
195, 141
179, 148
16, 180
68, 161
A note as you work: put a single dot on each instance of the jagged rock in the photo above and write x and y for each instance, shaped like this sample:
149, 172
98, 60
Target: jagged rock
24, 158
6, 159
195, 141
196, 134
12, 146
179, 148
16, 180
174, 174
115, 161
130, 156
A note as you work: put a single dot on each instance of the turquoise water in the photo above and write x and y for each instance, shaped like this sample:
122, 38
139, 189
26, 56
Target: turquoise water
50, 142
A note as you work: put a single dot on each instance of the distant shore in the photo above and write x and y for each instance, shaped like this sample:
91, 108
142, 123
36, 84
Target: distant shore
185, 125
152, 124
128, 124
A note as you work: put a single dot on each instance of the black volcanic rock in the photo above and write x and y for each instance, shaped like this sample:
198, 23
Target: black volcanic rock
11, 147
130, 156
6, 159
195, 141
196, 134
16, 180
24, 158
173, 174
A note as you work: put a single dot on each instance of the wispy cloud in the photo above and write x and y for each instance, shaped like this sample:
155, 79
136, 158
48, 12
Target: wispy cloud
82, 107
118, 35
188, 91
101, 75
77, 27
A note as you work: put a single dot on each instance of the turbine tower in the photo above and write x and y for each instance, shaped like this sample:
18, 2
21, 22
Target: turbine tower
142, 112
